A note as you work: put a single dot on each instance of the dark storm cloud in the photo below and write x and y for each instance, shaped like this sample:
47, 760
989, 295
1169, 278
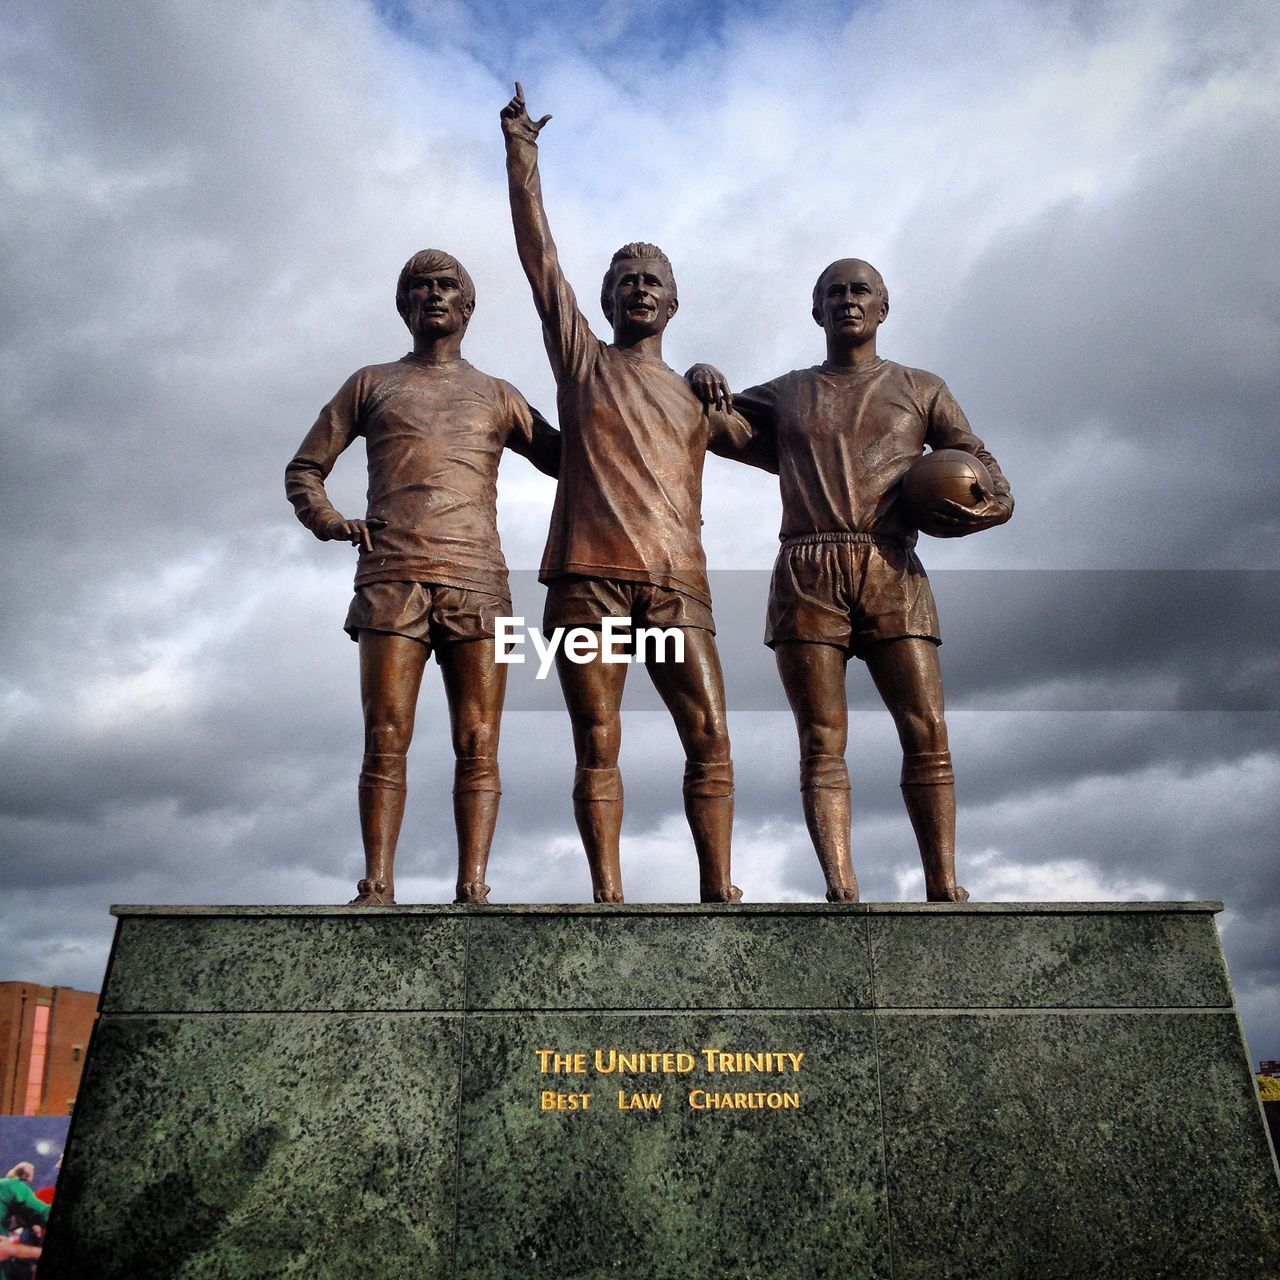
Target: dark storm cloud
1141, 438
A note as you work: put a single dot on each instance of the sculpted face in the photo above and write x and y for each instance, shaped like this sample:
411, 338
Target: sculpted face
642, 298
849, 300
435, 305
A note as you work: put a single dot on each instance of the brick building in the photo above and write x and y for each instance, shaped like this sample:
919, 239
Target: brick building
44, 1036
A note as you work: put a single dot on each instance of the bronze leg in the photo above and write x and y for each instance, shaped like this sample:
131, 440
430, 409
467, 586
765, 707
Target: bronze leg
475, 686
390, 677
693, 691
907, 674
813, 676
593, 695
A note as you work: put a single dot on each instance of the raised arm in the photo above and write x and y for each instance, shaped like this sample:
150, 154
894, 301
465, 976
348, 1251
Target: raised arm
564, 326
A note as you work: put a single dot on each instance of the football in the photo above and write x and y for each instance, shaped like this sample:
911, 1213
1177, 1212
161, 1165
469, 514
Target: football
944, 473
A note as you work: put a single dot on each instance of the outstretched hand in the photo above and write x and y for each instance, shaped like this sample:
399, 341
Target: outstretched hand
709, 385
516, 125
954, 520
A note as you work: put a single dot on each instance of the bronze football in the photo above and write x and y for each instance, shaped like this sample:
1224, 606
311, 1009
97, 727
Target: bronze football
944, 473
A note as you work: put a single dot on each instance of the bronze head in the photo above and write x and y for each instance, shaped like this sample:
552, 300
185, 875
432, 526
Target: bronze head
435, 294
639, 289
850, 299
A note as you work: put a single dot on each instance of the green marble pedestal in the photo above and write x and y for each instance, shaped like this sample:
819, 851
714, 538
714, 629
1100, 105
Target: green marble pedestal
826, 1091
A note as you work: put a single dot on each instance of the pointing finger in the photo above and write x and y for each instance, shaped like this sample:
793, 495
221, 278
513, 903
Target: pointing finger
519, 93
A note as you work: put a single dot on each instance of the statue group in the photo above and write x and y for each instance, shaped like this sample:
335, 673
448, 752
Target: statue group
625, 542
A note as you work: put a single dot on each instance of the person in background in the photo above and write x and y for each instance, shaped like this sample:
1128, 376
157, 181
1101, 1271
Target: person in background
45, 1194
18, 1201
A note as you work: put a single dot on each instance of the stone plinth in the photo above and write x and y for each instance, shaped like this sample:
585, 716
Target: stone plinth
825, 1091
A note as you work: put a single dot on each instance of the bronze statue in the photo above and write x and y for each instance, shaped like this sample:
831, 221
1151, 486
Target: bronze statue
847, 581
625, 537
430, 573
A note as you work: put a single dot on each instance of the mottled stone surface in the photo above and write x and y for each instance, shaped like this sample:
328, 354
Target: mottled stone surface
982, 960
709, 960
257, 1147
333, 961
988, 1090
1107, 1145
672, 1192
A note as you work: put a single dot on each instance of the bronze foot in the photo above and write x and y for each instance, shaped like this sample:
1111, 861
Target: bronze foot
608, 895
474, 893
731, 894
372, 893
954, 894
842, 893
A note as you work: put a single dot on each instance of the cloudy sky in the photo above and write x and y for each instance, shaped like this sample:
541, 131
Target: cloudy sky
204, 210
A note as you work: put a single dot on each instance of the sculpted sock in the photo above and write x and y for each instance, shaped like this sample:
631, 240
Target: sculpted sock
824, 794
928, 790
708, 805
476, 793
381, 792
597, 808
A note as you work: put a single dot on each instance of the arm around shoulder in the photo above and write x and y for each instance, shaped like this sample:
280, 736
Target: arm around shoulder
533, 437
746, 430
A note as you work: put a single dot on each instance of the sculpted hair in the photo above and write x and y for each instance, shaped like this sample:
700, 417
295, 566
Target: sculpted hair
432, 262
628, 253
879, 279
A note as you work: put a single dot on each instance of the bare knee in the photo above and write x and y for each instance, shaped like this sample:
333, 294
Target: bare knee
921, 731
476, 738
597, 741
386, 733
822, 738
705, 736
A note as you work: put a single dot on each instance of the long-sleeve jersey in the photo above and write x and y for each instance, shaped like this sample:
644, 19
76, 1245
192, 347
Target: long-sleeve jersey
629, 501
15, 1194
840, 439
434, 435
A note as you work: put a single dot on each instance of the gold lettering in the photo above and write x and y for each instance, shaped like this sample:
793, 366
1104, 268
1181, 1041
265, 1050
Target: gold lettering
639, 1101
552, 1063
700, 1100
760, 1061
553, 1101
